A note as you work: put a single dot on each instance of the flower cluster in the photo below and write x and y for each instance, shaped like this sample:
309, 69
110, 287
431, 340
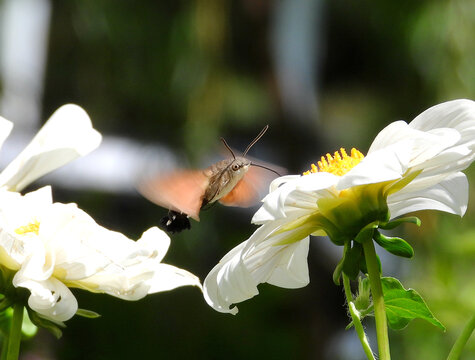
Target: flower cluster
48, 247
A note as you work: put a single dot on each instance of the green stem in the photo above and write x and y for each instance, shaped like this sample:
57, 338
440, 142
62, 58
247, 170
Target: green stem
14, 338
356, 319
462, 340
378, 299
3, 354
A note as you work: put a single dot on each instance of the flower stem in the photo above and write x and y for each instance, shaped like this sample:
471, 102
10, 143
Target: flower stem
3, 354
14, 338
378, 299
462, 340
355, 316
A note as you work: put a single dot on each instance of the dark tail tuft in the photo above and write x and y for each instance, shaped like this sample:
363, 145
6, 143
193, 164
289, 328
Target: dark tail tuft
175, 222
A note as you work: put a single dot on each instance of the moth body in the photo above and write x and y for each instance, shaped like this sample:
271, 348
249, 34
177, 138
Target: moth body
232, 182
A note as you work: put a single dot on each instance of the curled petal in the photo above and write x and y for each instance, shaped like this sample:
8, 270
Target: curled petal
421, 145
282, 180
449, 195
137, 281
256, 261
295, 197
229, 282
50, 298
155, 240
457, 114
103, 261
167, 277
292, 272
81, 246
67, 135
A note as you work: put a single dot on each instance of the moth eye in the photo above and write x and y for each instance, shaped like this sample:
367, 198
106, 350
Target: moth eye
235, 167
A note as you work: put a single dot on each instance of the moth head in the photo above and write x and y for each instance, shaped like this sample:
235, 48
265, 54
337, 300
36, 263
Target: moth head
240, 165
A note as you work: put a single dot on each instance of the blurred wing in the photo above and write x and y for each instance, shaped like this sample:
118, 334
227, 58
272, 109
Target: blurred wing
250, 189
180, 191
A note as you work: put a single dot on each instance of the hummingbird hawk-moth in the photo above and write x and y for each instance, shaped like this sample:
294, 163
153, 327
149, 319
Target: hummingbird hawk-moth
232, 182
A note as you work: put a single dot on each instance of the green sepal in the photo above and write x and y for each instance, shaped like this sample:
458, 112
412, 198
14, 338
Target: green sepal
395, 223
353, 259
362, 300
394, 245
28, 329
403, 305
87, 314
339, 267
366, 233
52, 326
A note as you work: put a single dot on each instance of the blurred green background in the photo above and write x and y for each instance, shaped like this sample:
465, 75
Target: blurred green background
323, 75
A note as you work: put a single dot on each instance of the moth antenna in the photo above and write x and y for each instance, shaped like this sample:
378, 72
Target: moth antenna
263, 131
227, 147
265, 167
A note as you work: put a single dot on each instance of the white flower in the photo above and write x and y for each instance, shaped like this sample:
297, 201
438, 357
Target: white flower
54, 246
408, 167
67, 135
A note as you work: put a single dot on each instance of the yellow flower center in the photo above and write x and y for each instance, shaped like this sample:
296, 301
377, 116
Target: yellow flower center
338, 164
30, 228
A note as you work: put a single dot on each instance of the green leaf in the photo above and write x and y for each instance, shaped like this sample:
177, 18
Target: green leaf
87, 313
394, 245
395, 223
403, 305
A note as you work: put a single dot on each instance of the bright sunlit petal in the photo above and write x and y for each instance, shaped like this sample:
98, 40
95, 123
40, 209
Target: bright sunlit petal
50, 298
67, 135
5, 129
449, 195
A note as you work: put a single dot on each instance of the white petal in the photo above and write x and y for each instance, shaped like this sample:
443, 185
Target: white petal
5, 129
456, 114
391, 134
385, 164
256, 261
292, 271
450, 195
167, 277
39, 265
434, 171
136, 281
155, 240
81, 246
50, 298
282, 180
67, 135
221, 294
296, 197
423, 144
